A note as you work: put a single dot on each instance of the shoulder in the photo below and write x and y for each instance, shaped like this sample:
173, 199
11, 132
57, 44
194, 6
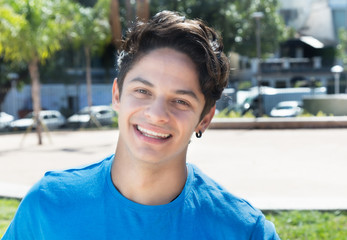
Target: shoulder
214, 197
57, 198
221, 209
72, 183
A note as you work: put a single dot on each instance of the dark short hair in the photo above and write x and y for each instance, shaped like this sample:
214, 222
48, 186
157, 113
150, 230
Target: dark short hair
191, 37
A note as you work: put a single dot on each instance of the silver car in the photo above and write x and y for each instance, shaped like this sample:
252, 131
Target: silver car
94, 115
5, 120
287, 109
52, 119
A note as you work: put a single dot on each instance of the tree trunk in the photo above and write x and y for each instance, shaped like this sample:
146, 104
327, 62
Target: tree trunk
142, 10
36, 96
116, 28
129, 12
88, 76
4, 89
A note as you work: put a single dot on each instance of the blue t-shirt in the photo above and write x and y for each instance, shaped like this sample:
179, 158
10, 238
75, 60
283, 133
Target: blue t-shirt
84, 204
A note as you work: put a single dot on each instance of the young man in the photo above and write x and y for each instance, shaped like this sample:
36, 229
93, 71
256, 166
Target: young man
172, 71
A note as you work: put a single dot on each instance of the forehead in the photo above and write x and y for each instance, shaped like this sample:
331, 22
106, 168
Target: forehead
166, 66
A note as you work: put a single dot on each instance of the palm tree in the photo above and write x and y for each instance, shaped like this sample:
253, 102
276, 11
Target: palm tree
142, 13
116, 27
91, 31
142, 10
129, 12
31, 31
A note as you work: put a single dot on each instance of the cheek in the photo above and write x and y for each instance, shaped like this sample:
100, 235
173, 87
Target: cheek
187, 119
131, 106
130, 102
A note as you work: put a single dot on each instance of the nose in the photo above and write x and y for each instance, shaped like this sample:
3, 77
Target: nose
157, 111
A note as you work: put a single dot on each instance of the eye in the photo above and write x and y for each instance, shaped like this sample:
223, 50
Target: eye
182, 102
142, 91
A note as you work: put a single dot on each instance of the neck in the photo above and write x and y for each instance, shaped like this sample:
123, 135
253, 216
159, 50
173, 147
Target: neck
148, 183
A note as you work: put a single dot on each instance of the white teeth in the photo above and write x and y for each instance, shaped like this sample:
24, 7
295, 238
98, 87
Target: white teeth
152, 134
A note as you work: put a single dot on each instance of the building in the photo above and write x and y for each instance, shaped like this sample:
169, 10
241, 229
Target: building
305, 60
66, 98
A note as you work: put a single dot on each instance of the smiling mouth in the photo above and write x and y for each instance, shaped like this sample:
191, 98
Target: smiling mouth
152, 134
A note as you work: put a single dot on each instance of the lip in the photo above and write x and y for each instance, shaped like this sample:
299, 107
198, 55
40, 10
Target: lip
151, 135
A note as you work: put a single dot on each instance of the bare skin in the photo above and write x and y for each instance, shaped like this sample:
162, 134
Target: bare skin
158, 110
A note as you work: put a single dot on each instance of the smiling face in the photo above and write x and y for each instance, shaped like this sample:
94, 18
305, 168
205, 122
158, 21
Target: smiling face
159, 108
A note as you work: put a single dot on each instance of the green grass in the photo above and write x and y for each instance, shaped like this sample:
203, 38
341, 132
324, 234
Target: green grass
8, 208
309, 225
303, 225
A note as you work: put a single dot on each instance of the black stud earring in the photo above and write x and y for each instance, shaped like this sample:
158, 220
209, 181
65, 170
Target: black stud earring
198, 134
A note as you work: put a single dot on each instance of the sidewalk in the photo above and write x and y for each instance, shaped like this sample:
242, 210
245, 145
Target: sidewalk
273, 169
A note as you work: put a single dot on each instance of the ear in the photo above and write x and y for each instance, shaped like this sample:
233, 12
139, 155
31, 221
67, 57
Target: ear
206, 120
115, 95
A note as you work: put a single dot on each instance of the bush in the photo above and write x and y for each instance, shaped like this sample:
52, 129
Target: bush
115, 122
319, 114
225, 113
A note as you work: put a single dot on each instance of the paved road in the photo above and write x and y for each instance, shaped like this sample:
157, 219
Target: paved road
273, 169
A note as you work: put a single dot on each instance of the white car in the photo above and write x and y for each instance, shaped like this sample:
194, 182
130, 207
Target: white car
287, 109
5, 120
52, 119
102, 115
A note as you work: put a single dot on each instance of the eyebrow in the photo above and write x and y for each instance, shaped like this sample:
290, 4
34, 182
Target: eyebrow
180, 91
143, 81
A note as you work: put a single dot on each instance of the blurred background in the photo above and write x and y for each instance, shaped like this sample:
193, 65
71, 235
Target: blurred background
288, 57
58, 61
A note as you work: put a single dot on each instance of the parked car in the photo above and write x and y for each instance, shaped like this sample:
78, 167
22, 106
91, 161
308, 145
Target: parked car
5, 120
287, 109
52, 119
101, 114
